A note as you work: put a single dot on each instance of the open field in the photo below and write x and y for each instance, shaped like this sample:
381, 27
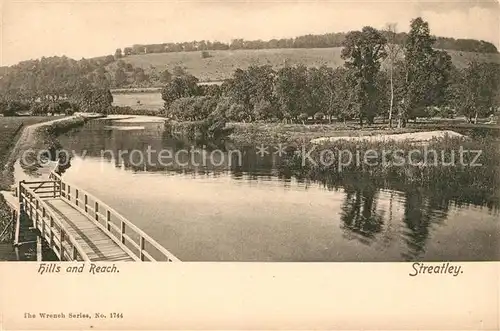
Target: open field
222, 64
139, 101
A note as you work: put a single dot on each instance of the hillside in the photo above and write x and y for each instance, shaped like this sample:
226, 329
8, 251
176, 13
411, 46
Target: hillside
222, 64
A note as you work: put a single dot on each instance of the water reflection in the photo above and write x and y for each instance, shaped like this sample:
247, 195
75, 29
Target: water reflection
359, 216
291, 217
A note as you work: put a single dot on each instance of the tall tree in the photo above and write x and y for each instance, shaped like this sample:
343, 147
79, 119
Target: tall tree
476, 91
253, 89
363, 51
165, 76
120, 77
426, 72
292, 92
180, 87
393, 50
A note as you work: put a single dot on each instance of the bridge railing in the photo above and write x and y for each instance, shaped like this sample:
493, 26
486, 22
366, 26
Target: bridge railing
49, 224
140, 244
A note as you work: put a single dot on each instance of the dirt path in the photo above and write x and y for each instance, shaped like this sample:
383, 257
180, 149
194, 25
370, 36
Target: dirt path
23, 143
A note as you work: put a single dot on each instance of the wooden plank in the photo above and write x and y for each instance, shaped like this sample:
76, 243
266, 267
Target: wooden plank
96, 243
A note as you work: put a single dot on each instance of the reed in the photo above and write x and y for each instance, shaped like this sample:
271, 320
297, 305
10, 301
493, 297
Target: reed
466, 179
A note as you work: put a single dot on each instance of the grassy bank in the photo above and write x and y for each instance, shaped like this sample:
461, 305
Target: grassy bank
401, 164
44, 137
18, 134
10, 131
251, 134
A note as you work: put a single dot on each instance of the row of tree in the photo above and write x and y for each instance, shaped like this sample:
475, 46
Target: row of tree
418, 81
126, 75
307, 41
55, 85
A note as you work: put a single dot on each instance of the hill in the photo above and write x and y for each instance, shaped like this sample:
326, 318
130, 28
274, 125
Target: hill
222, 63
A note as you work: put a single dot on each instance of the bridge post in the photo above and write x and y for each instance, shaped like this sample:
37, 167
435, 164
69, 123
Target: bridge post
36, 219
20, 190
31, 210
86, 202
75, 254
43, 222
96, 211
122, 232
108, 220
39, 249
51, 232
142, 244
76, 197
62, 245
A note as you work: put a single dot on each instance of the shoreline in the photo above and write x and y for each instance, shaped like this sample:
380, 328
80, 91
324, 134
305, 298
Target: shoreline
31, 136
27, 139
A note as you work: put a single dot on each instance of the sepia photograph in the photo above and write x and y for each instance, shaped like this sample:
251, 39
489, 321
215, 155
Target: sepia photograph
301, 165
250, 131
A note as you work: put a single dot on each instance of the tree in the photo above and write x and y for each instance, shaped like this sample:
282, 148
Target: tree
320, 84
363, 50
393, 51
118, 54
180, 87
93, 100
476, 90
194, 108
120, 77
344, 105
251, 87
165, 76
426, 72
179, 71
139, 75
292, 92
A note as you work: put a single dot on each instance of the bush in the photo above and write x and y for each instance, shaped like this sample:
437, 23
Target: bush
13, 107
319, 116
205, 55
126, 110
192, 108
211, 129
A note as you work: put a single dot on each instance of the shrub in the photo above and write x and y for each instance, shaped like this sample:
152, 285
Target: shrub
126, 110
319, 116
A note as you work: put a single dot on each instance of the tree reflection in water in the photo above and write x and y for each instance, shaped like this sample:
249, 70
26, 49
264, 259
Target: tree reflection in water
359, 216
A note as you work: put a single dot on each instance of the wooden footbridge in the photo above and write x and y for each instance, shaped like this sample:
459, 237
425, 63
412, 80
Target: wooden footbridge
77, 226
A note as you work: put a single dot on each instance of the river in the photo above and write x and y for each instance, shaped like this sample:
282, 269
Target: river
249, 212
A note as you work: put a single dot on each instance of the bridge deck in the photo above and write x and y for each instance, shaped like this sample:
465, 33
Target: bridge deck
97, 244
79, 227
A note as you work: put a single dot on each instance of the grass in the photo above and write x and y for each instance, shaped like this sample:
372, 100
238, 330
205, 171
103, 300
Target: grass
465, 183
222, 64
139, 101
10, 128
251, 134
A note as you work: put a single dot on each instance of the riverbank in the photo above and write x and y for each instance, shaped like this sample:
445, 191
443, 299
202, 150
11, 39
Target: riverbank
252, 134
413, 137
35, 136
35, 133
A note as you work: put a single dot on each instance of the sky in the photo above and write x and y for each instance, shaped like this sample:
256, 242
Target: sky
87, 28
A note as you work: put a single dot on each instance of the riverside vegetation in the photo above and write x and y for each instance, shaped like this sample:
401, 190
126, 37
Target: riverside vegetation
42, 137
385, 76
